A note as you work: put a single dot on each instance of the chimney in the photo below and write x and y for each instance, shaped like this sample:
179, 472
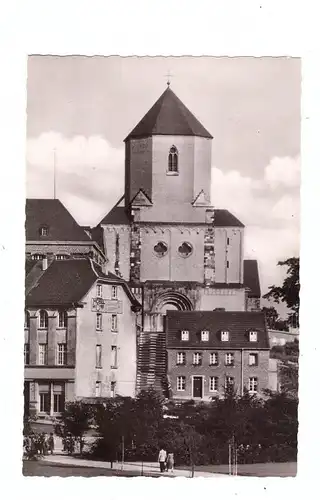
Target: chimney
45, 263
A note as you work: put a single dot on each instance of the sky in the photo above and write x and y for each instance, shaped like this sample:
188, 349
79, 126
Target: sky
84, 107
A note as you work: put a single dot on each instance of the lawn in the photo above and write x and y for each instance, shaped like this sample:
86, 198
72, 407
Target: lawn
285, 469
38, 468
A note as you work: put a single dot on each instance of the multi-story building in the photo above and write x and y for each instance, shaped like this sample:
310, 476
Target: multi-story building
80, 334
165, 237
209, 351
51, 231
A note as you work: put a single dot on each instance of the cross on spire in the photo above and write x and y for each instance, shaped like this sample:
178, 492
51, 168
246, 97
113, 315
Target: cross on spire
168, 75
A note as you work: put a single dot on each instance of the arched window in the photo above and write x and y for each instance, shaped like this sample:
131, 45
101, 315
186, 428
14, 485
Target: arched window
63, 319
26, 319
173, 160
43, 319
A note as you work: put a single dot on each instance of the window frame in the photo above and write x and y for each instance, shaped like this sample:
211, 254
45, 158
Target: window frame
228, 385
254, 334
44, 354
173, 161
229, 359
181, 387
26, 319
114, 357
205, 335
197, 358
113, 385
114, 292
216, 379
114, 327
44, 229
256, 356
61, 352
216, 355
255, 385
99, 322
46, 320
185, 333
98, 389
98, 356
224, 335
26, 353
62, 319
183, 355
99, 291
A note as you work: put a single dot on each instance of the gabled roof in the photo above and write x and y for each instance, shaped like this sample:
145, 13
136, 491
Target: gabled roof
224, 218
53, 215
66, 282
238, 324
118, 215
251, 278
169, 116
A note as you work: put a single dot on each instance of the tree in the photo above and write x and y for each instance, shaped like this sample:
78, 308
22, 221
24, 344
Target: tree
289, 291
273, 321
76, 419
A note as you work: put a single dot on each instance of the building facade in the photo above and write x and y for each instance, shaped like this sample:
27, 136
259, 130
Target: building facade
211, 351
164, 236
80, 335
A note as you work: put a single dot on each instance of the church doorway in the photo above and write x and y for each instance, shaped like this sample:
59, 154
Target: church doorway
171, 301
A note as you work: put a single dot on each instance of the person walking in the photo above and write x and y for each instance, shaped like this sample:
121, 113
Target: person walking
51, 443
162, 459
170, 462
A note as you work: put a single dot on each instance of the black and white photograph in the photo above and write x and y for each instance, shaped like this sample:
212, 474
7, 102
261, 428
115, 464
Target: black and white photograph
162, 264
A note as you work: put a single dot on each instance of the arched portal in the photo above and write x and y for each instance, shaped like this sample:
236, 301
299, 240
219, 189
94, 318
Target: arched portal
173, 301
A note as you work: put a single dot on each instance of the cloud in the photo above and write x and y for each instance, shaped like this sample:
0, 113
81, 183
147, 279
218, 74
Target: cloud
89, 173
283, 172
269, 207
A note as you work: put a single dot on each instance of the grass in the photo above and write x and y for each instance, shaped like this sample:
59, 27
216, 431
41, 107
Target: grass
283, 469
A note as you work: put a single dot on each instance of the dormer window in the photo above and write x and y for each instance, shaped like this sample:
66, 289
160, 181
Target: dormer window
185, 335
37, 256
44, 231
173, 160
253, 336
204, 335
224, 336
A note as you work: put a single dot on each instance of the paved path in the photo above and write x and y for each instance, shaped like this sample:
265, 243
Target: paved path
148, 467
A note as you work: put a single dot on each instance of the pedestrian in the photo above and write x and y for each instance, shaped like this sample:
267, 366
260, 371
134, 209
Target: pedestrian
50, 443
170, 462
162, 459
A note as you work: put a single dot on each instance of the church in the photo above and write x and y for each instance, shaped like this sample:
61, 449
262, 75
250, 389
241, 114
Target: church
165, 237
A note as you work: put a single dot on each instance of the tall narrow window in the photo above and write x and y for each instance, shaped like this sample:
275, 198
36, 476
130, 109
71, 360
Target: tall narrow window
44, 397
229, 384
98, 356
26, 354
253, 384
58, 397
114, 323
229, 359
181, 383
26, 319
99, 321
61, 354
213, 359
213, 384
99, 291
197, 358
113, 389
173, 160
98, 389
42, 354
181, 358
113, 356
63, 319
114, 292
43, 319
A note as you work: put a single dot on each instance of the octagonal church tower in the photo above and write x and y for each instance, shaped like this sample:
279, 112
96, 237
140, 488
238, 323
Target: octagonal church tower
165, 237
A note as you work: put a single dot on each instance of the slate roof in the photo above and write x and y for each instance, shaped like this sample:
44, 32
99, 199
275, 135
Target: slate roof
169, 116
117, 216
52, 214
237, 323
222, 218
251, 278
66, 282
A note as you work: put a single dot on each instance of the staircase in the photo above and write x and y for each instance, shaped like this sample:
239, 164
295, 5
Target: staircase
152, 362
